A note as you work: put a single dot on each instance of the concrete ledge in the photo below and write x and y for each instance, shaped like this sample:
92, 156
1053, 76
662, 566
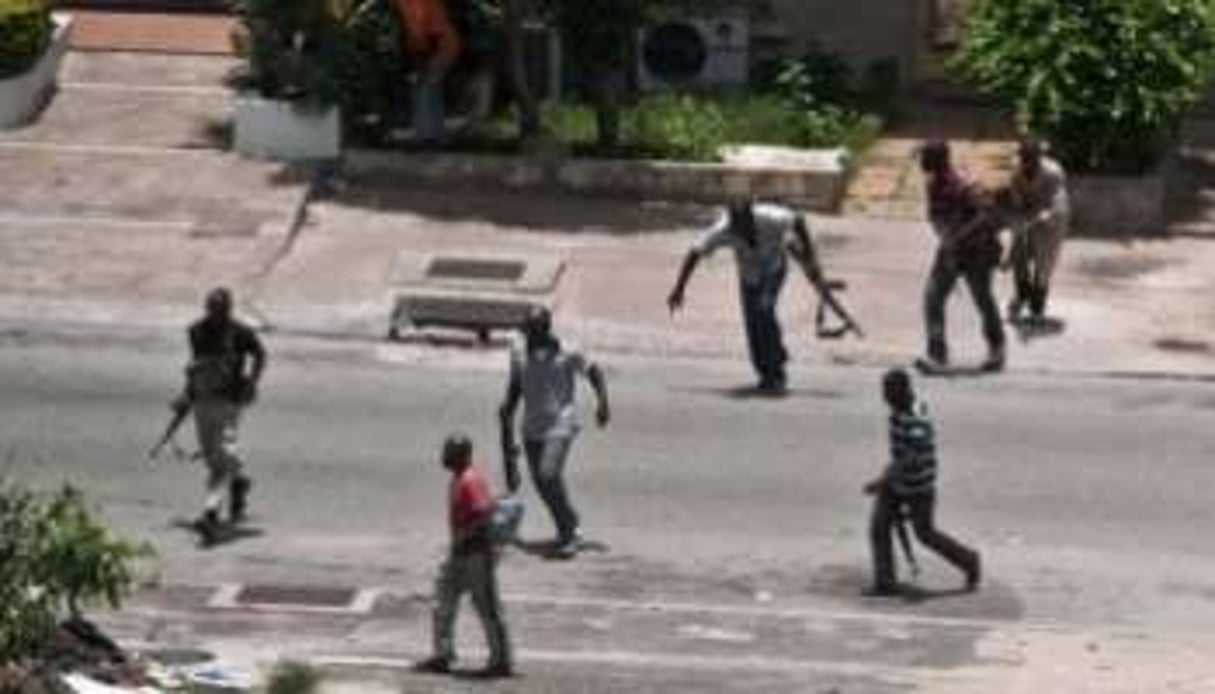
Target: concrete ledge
1119, 205
816, 182
279, 130
23, 96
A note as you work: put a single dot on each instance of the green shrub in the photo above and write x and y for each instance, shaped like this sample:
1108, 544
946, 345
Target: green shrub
25, 32
372, 69
293, 678
293, 50
1106, 82
677, 126
54, 558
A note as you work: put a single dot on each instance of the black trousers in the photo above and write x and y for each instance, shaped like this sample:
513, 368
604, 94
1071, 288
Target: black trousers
946, 269
921, 509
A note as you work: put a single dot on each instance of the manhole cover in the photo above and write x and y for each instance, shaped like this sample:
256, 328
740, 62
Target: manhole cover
476, 269
305, 596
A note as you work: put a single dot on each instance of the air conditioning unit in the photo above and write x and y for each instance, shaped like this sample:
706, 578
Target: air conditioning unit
697, 52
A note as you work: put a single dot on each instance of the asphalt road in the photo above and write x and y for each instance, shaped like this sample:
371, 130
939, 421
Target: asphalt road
730, 530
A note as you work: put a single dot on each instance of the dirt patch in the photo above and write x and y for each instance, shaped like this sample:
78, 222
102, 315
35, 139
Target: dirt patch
1182, 345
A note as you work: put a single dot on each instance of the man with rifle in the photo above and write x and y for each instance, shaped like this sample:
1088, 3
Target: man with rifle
226, 365
761, 235
906, 491
965, 219
543, 377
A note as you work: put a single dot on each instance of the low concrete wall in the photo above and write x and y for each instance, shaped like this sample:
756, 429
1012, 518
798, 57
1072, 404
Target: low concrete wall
1119, 205
23, 96
277, 130
819, 188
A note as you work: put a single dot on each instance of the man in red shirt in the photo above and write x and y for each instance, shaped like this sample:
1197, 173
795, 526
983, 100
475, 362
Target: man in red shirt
471, 565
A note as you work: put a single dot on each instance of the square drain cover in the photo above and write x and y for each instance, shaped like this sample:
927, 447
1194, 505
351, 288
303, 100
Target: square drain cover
286, 598
476, 269
305, 596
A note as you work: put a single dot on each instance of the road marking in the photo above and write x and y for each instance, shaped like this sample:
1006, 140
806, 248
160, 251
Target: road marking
777, 612
91, 220
227, 597
145, 88
671, 661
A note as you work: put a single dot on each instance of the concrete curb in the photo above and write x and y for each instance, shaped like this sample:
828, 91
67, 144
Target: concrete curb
817, 185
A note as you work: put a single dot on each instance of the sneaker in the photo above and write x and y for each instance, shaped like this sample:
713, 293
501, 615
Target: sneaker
434, 665
773, 386
567, 549
974, 574
207, 526
881, 590
1015, 308
238, 498
995, 361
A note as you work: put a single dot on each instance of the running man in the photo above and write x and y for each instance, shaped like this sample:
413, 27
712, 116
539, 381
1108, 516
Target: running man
543, 376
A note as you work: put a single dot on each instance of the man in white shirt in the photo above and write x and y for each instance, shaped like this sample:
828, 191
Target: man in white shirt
543, 376
760, 235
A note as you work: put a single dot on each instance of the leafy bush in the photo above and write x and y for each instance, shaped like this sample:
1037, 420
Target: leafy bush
293, 678
292, 50
25, 32
54, 558
372, 68
1106, 82
678, 126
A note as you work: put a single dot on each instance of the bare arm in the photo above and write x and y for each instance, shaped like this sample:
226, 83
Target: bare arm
690, 261
804, 251
595, 375
506, 423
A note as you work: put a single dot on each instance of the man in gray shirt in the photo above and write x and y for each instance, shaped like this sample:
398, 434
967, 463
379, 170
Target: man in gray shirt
760, 235
543, 376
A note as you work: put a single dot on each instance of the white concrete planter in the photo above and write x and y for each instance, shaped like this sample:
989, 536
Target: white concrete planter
1119, 205
279, 130
23, 96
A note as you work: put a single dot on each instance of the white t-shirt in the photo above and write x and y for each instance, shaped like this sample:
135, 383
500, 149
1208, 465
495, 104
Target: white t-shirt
548, 379
774, 225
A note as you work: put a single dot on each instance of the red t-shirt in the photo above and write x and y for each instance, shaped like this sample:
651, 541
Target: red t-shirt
472, 502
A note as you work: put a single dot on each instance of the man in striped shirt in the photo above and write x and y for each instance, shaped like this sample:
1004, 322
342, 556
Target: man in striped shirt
909, 482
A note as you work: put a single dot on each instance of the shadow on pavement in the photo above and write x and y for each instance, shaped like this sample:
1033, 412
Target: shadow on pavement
752, 392
542, 212
1038, 328
228, 534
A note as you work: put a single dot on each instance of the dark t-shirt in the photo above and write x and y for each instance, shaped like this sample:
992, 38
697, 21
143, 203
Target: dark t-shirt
954, 203
220, 354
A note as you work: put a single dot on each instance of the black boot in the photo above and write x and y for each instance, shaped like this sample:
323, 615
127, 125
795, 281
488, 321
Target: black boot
208, 526
238, 498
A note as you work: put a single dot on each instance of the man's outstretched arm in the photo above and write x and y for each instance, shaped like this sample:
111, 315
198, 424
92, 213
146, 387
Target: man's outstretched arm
506, 423
690, 261
603, 414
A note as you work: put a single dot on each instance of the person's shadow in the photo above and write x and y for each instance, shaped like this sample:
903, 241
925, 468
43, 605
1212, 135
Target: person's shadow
1029, 329
227, 534
547, 549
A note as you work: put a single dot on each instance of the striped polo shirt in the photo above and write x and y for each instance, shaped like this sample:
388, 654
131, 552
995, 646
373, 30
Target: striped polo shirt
913, 452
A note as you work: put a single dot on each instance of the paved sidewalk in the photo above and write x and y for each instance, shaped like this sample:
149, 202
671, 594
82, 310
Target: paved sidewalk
122, 205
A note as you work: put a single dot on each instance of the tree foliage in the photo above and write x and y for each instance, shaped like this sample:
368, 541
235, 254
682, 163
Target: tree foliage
1106, 82
55, 558
25, 32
